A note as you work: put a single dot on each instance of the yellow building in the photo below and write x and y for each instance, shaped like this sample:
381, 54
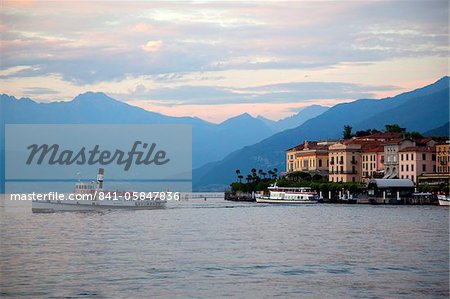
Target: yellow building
443, 157
308, 157
344, 162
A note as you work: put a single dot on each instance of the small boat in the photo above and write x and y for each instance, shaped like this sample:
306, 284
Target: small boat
443, 200
289, 195
92, 197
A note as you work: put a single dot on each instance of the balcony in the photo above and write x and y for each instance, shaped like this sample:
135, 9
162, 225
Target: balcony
349, 172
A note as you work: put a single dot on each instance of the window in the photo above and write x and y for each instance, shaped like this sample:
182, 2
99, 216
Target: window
403, 176
353, 179
433, 157
412, 156
401, 157
320, 162
412, 178
407, 167
406, 157
412, 167
424, 156
401, 167
424, 167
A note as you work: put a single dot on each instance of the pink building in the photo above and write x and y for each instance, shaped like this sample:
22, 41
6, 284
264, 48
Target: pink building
372, 161
416, 160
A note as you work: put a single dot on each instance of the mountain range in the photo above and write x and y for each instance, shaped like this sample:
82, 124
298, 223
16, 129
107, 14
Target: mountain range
296, 119
244, 142
211, 141
420, 110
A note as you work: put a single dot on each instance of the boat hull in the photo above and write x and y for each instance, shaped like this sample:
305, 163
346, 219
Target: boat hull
51, 206
444, 202
285, 201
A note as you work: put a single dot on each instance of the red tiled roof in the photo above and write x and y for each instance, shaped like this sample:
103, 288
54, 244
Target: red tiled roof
396, 140
423, 141
419, 149
382, 135
312, 145
377, 149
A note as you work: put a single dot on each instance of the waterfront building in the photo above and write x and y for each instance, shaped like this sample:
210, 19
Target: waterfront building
436, 182
389, 190
443, 157
372, 159
310, 156
345, 162
391, 149
416, 160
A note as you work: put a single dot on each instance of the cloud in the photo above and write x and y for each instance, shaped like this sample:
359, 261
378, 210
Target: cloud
108, 43
152, 46
40, 90
274, 93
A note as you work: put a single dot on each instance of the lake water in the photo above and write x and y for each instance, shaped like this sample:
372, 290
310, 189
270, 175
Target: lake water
215, 248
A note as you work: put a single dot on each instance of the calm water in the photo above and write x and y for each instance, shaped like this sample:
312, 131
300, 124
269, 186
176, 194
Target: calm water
218, 249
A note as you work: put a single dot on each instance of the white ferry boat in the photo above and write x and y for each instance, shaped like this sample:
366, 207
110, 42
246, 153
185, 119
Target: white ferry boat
289, 195
443, 200
92, 197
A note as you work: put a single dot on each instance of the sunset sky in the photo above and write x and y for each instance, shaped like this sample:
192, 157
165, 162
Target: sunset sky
216, 59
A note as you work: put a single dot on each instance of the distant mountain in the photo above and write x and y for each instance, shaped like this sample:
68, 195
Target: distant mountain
439, 131
271, 123
294, 120
420, 110
211, 142
299, 118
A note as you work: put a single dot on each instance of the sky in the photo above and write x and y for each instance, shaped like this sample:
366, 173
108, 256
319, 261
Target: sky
214, 59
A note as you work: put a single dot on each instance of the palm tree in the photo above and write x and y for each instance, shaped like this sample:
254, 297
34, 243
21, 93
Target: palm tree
275, 173
240, 177
238, 172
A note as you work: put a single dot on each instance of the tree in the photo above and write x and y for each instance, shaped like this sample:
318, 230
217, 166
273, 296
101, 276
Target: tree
240, 177
366, 132
275, 173
238, 172
413, 135
347, 132
394, 128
